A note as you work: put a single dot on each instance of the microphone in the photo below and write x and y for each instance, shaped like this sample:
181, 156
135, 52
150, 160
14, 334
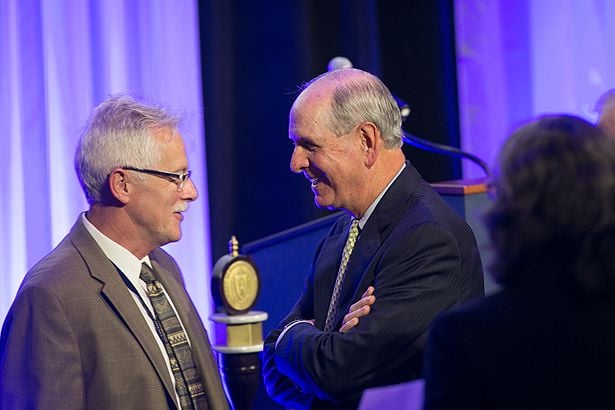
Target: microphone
340, 63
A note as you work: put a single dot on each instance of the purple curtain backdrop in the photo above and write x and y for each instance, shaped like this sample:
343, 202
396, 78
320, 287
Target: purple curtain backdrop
59, 59
522, 58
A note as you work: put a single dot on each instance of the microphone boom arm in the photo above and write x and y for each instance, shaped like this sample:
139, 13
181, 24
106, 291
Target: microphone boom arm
444, 149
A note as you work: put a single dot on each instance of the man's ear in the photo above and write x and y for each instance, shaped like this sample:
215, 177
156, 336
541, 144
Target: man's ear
370, 142
118, 186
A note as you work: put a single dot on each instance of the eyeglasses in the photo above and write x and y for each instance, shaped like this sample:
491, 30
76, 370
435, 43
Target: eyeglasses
177, 179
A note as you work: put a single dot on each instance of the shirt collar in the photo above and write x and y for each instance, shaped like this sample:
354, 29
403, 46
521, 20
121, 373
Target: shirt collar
121, 257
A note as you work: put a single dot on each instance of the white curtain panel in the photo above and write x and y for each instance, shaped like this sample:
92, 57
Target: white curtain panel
59, 59
522, 58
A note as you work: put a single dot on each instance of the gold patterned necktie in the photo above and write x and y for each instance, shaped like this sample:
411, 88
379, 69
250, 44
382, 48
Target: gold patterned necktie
339, 280
187, 380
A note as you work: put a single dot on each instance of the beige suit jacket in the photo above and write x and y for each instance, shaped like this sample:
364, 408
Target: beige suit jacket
75, 339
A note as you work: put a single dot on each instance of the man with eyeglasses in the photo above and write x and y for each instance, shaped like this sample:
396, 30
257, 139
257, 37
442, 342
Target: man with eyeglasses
104, 320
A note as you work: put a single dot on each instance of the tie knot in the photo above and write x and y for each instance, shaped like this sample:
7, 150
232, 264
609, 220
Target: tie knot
147, 275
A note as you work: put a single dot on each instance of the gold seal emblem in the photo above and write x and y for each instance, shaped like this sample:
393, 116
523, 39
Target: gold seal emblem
240, 285
235, 282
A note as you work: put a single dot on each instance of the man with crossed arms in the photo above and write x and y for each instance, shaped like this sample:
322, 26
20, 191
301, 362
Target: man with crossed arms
398, 257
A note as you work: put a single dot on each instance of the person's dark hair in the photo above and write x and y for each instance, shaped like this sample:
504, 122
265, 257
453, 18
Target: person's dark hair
553, 215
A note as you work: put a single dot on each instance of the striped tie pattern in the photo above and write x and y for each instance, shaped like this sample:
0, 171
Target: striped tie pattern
339, 280
187, 380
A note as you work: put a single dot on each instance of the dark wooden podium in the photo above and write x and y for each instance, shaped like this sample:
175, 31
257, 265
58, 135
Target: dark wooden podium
284, 258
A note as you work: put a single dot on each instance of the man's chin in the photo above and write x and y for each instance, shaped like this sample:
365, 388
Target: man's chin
322, 203
175, 236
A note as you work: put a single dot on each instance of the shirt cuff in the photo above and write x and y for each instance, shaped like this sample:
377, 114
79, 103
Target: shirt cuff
287, 328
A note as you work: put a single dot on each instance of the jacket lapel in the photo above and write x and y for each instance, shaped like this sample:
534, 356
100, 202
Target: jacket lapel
360, 270
116, 293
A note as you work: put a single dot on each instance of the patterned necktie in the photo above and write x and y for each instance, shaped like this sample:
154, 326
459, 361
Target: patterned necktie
187, 380
339, 280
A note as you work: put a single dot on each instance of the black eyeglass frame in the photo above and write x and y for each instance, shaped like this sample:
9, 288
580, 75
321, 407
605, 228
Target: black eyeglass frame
178, 179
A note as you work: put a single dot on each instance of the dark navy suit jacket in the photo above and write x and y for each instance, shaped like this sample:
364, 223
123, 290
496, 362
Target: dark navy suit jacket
420, 256
537, 346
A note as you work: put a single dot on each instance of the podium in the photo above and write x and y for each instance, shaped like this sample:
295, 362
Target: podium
284, 258
239, 341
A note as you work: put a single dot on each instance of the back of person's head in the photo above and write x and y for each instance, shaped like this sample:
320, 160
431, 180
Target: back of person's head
553, 215
359, 96
119, 133
605, 107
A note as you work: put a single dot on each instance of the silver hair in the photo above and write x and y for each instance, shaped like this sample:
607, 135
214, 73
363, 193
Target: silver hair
359, 96
119, 133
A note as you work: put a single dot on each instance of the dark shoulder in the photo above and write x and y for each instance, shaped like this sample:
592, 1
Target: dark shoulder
412, 202
426, 205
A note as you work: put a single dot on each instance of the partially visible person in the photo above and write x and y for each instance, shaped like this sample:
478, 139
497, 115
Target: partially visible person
546, 340
397, 257
605, 107
104, 320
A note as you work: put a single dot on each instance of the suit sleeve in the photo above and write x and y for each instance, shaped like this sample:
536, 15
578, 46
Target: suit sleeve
279, 386
39, 359
416, 277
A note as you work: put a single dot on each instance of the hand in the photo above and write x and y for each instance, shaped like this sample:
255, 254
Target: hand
359, 309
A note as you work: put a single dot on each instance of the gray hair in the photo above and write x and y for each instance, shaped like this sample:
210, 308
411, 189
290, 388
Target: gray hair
358, 97
119, 133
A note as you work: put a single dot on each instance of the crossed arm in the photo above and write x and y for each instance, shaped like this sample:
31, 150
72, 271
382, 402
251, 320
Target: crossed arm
413, 283
358, 310
283, 388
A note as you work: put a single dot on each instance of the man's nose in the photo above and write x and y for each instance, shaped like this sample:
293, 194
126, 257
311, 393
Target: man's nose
298, 160
189, 191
